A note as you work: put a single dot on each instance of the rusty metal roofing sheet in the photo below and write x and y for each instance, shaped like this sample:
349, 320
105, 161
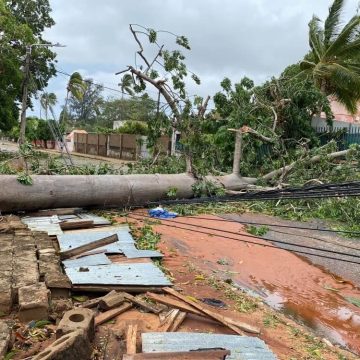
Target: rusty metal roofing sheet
91, 260
142, 274
241, 347
125, 244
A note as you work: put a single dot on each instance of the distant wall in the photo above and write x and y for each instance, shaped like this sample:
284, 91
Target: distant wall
121, 146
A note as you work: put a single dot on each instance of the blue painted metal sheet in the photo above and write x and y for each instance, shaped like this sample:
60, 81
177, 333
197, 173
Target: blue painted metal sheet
91, 260
241, 347
139, 274
49, 224
125, 244
98, 220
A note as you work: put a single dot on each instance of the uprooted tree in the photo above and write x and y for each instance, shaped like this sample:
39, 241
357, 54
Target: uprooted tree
277, 113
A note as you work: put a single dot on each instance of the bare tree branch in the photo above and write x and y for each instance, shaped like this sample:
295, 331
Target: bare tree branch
140, 52
203, 107
247, 129
159, 84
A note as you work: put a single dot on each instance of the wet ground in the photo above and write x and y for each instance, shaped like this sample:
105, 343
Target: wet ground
329, 241
284, 280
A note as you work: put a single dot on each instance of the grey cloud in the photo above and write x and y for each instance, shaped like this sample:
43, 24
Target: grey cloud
233, 38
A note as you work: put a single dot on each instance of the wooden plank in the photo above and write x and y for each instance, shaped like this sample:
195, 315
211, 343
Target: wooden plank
187, 308
108, 315
84, 248
173, 303
131, 337
91, 303
201, 308
170, 320
143, 304
111, 300
76, 224
190, 355
178, 321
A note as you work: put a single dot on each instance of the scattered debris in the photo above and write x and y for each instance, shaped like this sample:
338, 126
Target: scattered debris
214, 302
161, 213
77, 250
81, 260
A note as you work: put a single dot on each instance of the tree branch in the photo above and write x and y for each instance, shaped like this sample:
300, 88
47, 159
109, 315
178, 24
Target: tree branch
312, 160
246, 129
140, 52
203, 107
159, 84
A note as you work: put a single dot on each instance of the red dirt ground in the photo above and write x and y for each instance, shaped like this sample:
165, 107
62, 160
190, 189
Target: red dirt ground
284, 280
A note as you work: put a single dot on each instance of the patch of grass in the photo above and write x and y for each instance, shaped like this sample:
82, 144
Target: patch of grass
271, 321
243, 303
314, 347
147, 238
257, 230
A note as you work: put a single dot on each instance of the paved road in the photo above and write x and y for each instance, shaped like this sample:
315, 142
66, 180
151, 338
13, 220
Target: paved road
78, 160
313, 238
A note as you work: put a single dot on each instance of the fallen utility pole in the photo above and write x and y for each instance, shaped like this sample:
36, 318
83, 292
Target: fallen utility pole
60, 191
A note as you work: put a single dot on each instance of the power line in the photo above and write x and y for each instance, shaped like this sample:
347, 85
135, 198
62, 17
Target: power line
257, 237
282, 232
295, 193
117, 90
277, 225
106, 87
256, 243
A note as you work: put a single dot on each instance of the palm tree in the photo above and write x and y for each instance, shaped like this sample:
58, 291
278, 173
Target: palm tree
47, 100
76, 87
334, 60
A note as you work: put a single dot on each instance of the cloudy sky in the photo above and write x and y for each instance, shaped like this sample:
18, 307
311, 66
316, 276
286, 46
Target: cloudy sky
233, 38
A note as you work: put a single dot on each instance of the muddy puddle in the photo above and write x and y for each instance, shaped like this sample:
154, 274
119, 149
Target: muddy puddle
285, 281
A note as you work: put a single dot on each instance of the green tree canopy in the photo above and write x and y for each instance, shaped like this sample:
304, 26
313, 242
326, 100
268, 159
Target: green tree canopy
22, 23
334, 61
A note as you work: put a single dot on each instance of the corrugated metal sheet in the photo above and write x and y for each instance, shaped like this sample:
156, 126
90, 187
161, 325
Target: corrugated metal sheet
125, 244
241, 347
189, 355
98, 220
49, 224
119, 274
91, 260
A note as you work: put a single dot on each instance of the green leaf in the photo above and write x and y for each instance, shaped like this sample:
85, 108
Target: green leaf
183, 41
24, 179
42, 323
196, 79
327, 287
80, 298
353, 300
152, 35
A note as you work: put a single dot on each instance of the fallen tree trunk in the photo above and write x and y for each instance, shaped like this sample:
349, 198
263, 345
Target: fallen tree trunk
66, 191
61, 191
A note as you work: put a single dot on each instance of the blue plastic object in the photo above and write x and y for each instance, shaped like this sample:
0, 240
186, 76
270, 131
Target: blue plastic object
161, 213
